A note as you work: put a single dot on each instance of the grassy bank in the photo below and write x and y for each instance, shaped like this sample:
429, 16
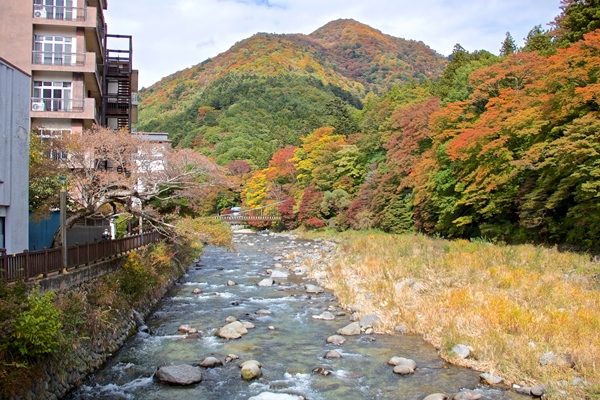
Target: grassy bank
511, 304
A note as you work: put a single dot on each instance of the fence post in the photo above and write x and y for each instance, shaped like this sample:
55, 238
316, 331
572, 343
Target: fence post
26, 252
45, 262
96, 247
3, 264
78, 258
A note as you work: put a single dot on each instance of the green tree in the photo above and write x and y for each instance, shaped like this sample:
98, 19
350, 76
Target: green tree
539, 40
578, 17
508, 45
44, 184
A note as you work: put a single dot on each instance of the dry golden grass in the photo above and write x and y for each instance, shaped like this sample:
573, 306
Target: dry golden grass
510, 304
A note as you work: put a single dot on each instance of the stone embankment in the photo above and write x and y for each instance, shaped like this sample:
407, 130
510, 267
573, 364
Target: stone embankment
68, 370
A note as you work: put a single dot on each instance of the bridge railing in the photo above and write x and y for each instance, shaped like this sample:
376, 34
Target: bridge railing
243, 217
35, 264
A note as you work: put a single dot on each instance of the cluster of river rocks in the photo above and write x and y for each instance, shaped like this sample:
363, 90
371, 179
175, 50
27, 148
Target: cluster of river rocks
296, 263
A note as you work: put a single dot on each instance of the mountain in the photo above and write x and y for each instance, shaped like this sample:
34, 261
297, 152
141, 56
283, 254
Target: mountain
270, 90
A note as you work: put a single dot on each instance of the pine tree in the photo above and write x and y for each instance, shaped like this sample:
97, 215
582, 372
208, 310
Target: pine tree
578, 17
539, 40
508, 45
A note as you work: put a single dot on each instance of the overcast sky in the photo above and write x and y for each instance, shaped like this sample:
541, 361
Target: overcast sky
170, 35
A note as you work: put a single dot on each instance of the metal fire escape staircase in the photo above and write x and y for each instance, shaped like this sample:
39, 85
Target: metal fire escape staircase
117, 75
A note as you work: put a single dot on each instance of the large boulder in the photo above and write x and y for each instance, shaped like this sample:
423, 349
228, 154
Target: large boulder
491, 379
336, 339
211, 362
437, 396
369, 320
178, 374
313, 289
251, 370
350, 330
461, 350
275, 396
326, 316
278, 275
403, 366
234, 330
266, 282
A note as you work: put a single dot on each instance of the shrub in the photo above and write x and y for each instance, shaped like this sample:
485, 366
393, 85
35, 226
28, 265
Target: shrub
135, 278
36, 331
314, 223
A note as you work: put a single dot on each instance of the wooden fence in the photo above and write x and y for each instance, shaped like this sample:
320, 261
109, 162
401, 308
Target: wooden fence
36, 264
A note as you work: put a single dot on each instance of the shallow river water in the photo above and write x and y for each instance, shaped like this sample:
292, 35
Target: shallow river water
288, 353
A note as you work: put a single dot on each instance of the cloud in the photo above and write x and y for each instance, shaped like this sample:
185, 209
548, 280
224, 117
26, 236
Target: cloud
170, 36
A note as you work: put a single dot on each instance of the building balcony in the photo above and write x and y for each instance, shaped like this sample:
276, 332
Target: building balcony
58, 13
88, 18
84, 109
70, 62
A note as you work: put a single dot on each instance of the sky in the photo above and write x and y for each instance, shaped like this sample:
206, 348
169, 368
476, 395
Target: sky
171, 35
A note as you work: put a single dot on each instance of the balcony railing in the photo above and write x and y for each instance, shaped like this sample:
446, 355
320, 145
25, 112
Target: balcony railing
57, 105
56, 58
59, 13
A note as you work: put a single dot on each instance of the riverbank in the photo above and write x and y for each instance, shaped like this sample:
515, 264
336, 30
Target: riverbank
96, 318
527, 314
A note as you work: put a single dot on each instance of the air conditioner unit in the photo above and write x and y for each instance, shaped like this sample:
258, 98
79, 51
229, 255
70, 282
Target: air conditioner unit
38, 106
40, 12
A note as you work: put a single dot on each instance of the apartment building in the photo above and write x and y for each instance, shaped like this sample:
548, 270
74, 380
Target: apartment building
80, 74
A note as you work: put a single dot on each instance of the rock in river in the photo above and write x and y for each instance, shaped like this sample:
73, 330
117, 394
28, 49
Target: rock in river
211, 362
251, 370
350, 330
266, 282
178, 374
313, 289
275, 396
336, 339
234, 330
326, 316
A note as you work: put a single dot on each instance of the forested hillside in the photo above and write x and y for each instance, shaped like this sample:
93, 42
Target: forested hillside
355, 129
269, 90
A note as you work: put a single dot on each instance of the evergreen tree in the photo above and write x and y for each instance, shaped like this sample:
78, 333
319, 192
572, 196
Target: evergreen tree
539, 40
578, 17
508, 45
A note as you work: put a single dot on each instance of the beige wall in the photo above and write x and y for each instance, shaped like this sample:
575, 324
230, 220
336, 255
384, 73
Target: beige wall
16, 32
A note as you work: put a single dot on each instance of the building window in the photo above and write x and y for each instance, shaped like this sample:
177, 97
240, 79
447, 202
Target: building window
53, 50
52, 96
54, 9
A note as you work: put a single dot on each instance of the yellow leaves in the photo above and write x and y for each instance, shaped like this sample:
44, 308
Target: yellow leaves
255, 191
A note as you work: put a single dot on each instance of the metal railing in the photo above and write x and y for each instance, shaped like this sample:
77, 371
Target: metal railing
59, 13
57, 105
38, 264
247, 218
58, 58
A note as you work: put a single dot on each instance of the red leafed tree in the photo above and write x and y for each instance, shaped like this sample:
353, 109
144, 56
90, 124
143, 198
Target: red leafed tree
288, 215
281, 166
310, 206
239, 167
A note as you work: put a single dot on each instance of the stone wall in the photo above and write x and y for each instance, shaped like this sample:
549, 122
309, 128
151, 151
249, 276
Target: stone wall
69, 369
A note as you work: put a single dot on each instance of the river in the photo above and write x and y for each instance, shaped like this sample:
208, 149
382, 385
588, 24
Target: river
288, 342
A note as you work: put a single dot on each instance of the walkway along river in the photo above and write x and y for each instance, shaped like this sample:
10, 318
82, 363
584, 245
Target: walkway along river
288, 342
